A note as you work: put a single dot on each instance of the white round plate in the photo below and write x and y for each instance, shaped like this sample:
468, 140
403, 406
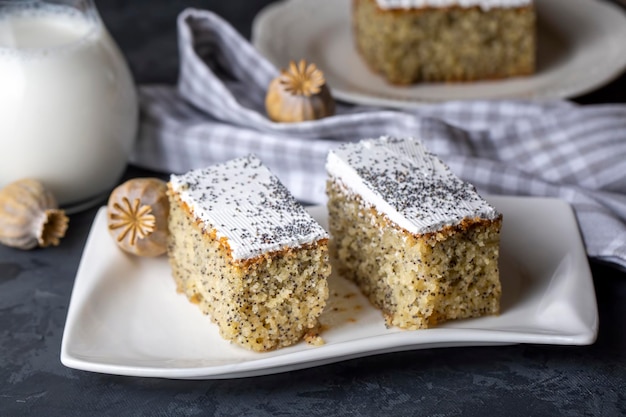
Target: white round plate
581, 46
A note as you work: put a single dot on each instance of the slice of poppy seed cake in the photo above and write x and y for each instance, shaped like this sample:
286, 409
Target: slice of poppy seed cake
247, 253
418, 241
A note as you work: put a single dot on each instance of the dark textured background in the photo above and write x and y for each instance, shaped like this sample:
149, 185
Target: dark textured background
520, 380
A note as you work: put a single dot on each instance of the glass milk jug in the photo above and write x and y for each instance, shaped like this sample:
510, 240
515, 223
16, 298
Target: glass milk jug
68, 105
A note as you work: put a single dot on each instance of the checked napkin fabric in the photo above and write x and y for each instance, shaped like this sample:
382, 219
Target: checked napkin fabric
556, 149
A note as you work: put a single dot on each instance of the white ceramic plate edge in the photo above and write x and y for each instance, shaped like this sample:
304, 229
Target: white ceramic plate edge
584, 330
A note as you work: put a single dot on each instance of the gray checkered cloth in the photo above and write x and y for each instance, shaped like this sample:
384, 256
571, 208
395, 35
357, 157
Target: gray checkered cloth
557, 149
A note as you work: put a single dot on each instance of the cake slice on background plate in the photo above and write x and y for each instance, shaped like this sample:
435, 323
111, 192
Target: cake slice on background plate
409, 41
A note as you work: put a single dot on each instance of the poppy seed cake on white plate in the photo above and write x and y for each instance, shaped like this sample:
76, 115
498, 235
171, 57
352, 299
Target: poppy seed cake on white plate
416, 239
247, 253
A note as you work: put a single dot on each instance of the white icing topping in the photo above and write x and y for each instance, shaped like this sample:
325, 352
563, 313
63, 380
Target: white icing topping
483, 4
246, 204
411, 186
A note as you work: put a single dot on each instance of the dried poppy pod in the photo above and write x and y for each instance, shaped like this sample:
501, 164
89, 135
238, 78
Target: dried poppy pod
30, 216
299, 94
137, 213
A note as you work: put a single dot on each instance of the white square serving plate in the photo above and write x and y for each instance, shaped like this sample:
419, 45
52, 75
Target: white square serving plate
126, 318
